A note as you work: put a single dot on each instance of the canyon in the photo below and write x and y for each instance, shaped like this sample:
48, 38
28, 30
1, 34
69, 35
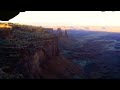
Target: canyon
31, 52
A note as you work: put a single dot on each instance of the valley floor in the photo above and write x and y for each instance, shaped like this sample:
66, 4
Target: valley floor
98, 53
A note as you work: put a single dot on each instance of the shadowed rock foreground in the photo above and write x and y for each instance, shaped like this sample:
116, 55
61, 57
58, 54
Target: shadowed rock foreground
28, 52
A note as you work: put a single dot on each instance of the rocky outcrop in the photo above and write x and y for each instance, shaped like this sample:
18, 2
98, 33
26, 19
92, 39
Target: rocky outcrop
66, 34
27, 50
59, 32
35, 54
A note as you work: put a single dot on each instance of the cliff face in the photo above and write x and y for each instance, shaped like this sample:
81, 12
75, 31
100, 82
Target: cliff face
34, 53
32, 61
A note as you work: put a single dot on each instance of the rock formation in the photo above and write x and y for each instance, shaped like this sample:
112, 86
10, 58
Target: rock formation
59, 32
34, 48
35, 54
66, 34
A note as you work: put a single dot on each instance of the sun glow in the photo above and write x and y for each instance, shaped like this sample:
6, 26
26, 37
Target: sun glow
5, 25
67, 19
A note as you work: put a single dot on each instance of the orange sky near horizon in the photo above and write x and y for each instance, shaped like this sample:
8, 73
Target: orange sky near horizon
94, 20
90, 28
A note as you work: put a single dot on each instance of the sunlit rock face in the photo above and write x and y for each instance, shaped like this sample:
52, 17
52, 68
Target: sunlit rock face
5, 31
5, 26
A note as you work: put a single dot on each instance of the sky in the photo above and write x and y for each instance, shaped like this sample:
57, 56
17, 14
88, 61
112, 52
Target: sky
69, 18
